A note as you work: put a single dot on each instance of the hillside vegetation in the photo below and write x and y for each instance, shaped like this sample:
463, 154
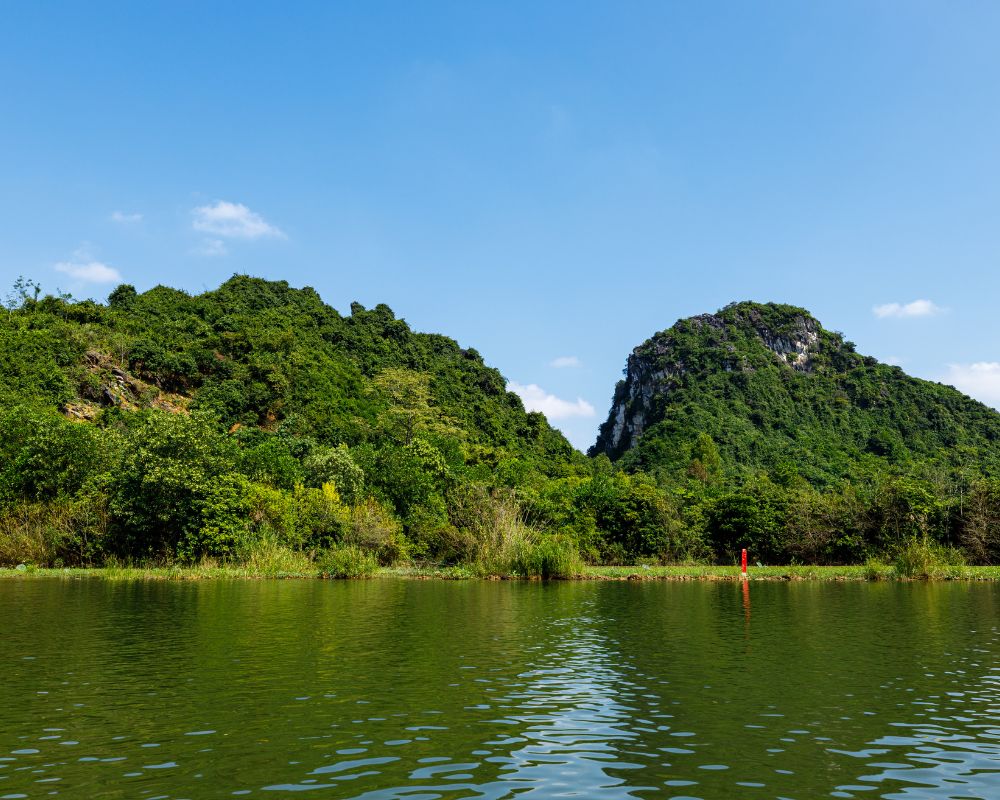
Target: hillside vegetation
254, 424
777, 391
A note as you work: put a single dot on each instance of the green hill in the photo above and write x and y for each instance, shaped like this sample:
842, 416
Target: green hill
255, 425
259, 353
777, 392
181, 426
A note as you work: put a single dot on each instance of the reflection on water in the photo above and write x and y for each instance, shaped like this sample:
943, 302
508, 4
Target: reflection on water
950, 745
395, 689
574, 715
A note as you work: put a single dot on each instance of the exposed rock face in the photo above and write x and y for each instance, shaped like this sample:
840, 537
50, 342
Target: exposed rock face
662, 361
108, 385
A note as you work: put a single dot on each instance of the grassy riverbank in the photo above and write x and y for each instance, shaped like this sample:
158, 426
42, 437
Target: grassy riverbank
868, 572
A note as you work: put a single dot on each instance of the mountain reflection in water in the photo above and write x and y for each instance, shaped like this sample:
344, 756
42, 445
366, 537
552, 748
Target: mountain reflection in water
406, 689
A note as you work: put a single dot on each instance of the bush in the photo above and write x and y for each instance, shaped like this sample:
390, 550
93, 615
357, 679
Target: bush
268, 557
44, 456
980, 524
923, 558
550, 557
429, 533
491, 532
347, 561
320, 518
373, 528
877, 570
335, 465
637, 519
225, 520
751, 517
60, 533
172, 481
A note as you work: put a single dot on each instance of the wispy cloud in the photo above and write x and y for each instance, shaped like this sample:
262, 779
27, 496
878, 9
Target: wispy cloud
980, 379
89, 271
535, 398
125, 218
564, 362
918, 308
212, 247
233, 221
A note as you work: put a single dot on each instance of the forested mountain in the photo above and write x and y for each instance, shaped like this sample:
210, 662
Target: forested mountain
778, 392
165, 425
254, 424
260, 354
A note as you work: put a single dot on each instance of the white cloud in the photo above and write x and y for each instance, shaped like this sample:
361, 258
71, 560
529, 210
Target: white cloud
233, 221
918, 308
89, 271
980, 379
537, 399
125, 218
212, 247
562, 362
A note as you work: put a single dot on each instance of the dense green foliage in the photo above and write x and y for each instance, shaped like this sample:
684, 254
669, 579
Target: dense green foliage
166, 426
803, 448
254, 424
776, 391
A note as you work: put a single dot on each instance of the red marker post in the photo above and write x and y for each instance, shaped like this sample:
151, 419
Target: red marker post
743, 564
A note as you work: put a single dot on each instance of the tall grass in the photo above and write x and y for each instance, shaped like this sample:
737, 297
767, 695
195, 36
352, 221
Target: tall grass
501, 539
550, 557
58, 533
347, 561
923, 558
875, 569
493, 540
268, 558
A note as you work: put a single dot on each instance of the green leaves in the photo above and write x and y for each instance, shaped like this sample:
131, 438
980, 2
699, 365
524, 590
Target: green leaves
255, 419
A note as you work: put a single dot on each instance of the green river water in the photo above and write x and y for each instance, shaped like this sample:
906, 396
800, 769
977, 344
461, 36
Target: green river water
427, 689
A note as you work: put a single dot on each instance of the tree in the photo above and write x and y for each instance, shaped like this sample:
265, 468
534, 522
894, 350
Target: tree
43, 456
174, 468
980, 522
705, 459
750, 517
122, 296
24, 291
334, 465
409, 411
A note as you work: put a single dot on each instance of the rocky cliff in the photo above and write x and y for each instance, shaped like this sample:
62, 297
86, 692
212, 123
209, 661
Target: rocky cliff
791, 334
774, 388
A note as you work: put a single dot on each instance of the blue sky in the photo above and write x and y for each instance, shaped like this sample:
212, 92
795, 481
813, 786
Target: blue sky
550, 183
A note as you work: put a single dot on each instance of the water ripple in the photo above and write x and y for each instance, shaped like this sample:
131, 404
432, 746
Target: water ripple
598, 691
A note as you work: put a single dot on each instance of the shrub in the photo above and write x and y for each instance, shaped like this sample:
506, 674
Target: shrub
550, 557
59, 533
373, 528
347, 561
268, 557
750, 517
173, 479
877, 570
320, 518
980, 524
637, 516
44, 456
225, 520
429, 533
923, 558
491, 530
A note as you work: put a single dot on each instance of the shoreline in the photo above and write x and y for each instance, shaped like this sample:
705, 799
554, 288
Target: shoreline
856, 573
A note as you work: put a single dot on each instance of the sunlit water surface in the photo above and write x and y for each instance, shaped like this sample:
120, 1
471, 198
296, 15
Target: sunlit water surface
420, 690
